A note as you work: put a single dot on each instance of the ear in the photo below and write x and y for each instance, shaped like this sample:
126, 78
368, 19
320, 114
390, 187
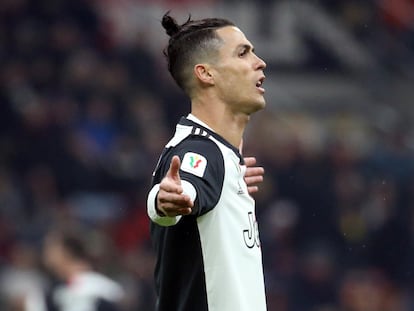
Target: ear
203, 74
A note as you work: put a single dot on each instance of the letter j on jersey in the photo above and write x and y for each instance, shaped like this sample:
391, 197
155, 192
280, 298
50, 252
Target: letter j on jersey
194, 163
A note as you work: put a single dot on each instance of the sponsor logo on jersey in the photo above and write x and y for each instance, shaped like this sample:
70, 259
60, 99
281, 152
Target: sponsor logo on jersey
194, 163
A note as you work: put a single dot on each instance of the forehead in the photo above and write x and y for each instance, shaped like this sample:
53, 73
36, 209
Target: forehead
232, 37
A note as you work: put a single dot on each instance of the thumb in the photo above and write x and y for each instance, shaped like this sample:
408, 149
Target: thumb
173, 171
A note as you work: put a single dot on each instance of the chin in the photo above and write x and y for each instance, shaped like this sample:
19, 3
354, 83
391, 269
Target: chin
260, 105
256, 107
251, 106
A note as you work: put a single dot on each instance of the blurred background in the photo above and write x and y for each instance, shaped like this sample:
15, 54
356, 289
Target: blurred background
86, 106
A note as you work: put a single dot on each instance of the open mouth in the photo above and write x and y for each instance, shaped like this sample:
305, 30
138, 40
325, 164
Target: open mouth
259, 84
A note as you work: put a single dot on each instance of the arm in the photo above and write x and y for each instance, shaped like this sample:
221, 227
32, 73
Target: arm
191, 185
172, 198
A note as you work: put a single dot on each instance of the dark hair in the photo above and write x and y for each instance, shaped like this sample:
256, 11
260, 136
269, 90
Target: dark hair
73, 244
76, 247
189, 44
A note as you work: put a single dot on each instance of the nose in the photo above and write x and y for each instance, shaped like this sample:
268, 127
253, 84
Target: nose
261, 65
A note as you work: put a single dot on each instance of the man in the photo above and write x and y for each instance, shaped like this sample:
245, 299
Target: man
66, 256
203, 225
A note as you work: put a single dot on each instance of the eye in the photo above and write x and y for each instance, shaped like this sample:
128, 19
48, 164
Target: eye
242, 52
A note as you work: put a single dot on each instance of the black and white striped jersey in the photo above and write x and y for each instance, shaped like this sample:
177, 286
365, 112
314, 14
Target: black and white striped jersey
210, 260
87, 291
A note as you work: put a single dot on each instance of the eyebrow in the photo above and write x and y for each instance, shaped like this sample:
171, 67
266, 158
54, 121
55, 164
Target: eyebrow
245, 46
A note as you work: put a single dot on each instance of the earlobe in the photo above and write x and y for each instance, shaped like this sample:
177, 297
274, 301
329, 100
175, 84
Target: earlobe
203, 74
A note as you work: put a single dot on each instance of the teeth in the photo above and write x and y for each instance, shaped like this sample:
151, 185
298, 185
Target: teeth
259, 83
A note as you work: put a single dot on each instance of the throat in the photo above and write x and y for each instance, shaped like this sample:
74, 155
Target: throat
228, 124
232, 130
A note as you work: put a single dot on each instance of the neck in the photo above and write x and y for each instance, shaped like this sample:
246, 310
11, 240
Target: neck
225, 122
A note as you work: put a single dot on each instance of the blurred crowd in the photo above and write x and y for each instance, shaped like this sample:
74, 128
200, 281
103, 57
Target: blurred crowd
83, 120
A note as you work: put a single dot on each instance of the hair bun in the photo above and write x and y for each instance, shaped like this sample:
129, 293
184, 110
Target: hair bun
170, 24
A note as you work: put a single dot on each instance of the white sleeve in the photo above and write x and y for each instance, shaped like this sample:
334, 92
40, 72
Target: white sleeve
166, 221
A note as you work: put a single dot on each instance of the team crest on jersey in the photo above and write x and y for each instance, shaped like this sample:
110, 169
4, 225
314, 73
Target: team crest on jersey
194, 163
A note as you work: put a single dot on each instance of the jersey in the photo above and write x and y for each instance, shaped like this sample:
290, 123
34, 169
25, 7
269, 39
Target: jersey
210, 260
88, 291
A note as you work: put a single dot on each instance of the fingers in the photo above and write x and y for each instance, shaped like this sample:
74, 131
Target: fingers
254, 171
174, 199
173, 204
253, 175
170, 199
249, 161
253, 180
173, 211
252, 189
168, 186
174, 170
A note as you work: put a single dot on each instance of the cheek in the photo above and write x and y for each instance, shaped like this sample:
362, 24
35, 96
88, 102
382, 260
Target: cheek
234, 82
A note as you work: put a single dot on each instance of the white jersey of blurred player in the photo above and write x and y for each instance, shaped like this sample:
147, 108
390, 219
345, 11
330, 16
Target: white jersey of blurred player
88, 291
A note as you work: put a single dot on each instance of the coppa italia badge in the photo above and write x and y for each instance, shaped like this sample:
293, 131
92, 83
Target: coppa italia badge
194, 163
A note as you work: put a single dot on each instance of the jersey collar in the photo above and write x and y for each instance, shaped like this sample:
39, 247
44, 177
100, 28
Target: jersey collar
191, 120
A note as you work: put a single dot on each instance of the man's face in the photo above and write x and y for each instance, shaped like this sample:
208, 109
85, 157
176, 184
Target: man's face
238, 72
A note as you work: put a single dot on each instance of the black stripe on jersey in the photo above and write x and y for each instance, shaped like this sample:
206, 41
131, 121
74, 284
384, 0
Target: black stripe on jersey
179, 272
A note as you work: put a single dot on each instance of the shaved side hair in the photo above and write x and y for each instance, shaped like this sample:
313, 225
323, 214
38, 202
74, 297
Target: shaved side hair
191, 43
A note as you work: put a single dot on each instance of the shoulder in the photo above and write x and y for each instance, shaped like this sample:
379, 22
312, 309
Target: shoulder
201, 145
97, 284
196, 153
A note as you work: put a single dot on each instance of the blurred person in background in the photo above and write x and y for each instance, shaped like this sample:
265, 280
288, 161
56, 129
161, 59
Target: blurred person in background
204, 225
82, 289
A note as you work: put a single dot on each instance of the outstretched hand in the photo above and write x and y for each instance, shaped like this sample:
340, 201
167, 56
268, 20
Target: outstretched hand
254, 174
170, 199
